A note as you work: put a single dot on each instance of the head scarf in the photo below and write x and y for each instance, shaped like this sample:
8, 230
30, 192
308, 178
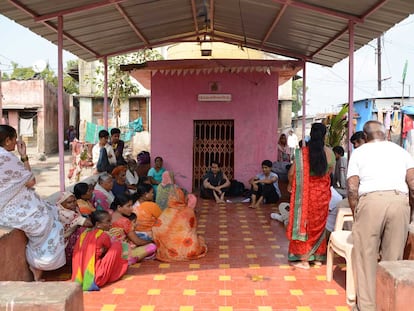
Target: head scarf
118, 170
167, 178
64, 196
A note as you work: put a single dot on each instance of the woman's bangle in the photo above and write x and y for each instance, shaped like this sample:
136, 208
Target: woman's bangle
25, 158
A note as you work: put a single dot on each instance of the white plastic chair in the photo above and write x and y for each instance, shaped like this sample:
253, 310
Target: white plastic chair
340, 242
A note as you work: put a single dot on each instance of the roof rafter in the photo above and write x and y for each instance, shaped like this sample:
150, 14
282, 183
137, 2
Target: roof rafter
74, 10
321, 10
48, 24
262, 48
194, 13
211, 16
275, 22
132, 25
345, 30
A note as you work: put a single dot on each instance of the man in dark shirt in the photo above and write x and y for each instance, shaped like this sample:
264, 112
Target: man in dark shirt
215, 184
118, 146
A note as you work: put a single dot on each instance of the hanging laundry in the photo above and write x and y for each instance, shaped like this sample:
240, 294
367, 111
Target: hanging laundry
408, 125
26, 127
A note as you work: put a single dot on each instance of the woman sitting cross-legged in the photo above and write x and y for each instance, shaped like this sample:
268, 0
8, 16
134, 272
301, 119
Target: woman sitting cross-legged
72, 220
123, 230
175, 231
147, 211
96, 259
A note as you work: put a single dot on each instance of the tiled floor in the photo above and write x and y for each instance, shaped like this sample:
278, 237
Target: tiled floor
245, 269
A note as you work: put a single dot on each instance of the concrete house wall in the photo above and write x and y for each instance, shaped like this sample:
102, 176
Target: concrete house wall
40, 97
253, 107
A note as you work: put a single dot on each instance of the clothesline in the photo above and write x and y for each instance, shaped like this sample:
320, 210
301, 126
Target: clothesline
127, 131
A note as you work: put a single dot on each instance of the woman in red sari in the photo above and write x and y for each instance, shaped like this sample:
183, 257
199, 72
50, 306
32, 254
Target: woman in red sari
309, 184
96, 259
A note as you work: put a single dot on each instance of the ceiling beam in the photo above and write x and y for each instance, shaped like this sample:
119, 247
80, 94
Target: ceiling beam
132, 25
261, 48
74, 10
370, 11
332, 40
275, 22
194, 13
321, 10
211, 16
179, 39
50, 25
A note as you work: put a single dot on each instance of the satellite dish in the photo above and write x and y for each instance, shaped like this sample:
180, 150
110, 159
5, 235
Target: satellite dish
39, 66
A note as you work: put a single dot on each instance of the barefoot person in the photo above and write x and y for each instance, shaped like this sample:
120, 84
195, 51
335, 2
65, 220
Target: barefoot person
21, 207
264, 186
309, 184
215, 184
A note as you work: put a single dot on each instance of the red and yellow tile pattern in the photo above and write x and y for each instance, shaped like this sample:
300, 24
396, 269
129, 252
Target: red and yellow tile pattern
246, 268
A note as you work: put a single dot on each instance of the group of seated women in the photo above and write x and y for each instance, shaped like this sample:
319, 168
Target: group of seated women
114, 230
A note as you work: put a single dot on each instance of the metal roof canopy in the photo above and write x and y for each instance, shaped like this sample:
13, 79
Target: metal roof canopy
310, 30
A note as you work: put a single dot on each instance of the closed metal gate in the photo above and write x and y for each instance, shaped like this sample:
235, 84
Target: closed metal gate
213, 140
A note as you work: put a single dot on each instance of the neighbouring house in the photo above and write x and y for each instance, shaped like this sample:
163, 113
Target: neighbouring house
91, 105
31, 106
204, 109
384, 109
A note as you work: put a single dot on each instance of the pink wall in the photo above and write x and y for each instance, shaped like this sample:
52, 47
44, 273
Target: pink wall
40, 96
174, 107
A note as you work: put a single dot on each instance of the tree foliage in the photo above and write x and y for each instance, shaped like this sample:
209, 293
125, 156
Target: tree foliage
120, 84
71, 85
26, 73
297, 96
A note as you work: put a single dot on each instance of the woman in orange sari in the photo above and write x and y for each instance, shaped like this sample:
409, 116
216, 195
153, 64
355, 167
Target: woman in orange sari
309, 184
175, 232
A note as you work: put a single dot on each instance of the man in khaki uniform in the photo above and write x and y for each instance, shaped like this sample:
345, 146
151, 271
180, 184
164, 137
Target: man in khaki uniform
380, 177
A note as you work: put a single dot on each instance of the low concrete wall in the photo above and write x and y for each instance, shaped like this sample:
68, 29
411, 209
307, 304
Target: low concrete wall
395, 285
41, 296
13, 265
409, 246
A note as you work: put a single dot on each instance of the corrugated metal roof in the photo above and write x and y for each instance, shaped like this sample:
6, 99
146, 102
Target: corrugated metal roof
312, 30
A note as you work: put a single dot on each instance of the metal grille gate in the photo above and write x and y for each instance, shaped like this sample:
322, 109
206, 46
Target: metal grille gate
213, 139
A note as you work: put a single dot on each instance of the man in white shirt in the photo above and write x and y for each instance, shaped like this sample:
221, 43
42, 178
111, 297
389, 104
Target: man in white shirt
292, 141
103, 160
380, 178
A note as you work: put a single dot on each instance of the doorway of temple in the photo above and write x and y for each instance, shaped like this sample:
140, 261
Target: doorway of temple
213, 140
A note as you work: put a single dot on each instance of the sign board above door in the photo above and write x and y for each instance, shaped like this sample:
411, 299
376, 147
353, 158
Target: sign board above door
214, 97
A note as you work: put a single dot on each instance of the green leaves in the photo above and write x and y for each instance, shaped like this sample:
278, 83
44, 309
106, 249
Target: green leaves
337, 127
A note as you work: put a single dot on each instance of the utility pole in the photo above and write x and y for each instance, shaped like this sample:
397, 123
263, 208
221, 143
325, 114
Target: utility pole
379, 63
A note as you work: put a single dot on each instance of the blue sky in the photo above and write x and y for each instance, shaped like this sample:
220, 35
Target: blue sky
327, 87
20, 45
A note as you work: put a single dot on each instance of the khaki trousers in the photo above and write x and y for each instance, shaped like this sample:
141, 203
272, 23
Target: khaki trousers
380, 228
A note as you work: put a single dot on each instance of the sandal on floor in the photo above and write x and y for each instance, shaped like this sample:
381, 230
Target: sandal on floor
301, 265
317, 263
252, 206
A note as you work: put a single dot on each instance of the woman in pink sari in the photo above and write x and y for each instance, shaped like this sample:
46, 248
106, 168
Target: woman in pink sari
175, 231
